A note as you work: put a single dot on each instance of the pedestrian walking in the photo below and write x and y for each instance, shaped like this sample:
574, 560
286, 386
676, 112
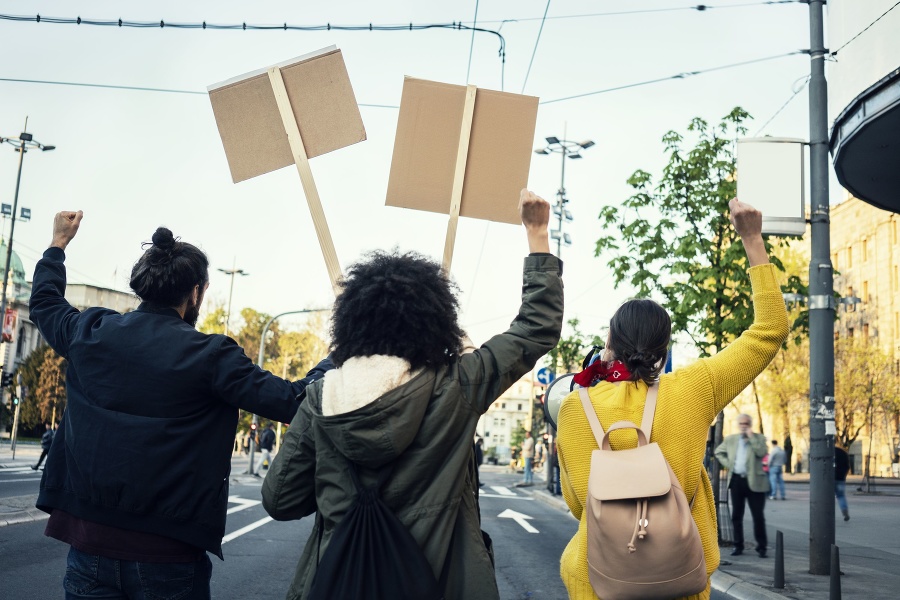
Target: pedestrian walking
688, 400
841, 468
46, 442
777, 462
266, 445
528, 456
742, 454
402, 407
136, 481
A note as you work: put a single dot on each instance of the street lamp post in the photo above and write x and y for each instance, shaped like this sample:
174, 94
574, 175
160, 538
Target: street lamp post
259, 362
568, 149
22, 144
821, 310
231, 272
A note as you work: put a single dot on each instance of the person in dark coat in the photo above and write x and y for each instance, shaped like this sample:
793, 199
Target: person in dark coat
405, 397
137, 480
46, 442
841, 468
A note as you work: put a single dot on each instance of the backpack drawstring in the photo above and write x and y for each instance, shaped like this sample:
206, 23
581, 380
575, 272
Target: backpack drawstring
640, 523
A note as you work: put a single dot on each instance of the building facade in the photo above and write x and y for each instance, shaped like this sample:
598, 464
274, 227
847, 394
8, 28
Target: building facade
865, 252
506, 418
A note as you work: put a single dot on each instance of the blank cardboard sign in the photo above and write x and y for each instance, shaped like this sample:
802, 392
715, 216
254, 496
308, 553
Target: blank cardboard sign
770, 177
427, 140
321, 98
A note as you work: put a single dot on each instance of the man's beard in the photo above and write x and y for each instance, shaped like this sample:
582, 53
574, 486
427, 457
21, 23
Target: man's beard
192, 314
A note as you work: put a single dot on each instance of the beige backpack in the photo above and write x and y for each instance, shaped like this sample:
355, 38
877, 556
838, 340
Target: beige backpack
643, 543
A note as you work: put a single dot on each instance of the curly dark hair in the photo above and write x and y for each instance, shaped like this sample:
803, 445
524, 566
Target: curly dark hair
169, 269
639, 336
396, 304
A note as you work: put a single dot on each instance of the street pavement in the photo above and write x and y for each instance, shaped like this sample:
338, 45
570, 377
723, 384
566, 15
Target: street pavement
529, 527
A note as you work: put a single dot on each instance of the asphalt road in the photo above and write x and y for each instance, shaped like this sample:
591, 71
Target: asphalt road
261, 555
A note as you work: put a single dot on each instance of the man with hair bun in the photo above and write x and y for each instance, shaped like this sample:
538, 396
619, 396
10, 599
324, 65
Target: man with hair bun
137, 481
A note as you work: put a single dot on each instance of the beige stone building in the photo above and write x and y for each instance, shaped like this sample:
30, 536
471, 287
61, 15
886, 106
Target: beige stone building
865, 252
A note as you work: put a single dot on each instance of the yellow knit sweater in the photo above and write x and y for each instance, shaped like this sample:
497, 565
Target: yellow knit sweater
689, 400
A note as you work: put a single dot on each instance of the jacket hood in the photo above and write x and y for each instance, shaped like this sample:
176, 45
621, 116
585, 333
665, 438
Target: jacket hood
371, 408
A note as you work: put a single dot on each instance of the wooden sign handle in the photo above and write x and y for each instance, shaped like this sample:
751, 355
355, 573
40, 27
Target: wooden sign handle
306, 177
459, 176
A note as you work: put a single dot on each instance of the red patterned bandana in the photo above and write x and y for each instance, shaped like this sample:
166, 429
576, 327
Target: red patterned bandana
603, 371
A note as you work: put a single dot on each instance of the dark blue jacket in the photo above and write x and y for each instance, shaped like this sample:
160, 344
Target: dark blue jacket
146, 440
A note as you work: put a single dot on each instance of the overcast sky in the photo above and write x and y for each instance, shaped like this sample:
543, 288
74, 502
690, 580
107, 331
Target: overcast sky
134, 160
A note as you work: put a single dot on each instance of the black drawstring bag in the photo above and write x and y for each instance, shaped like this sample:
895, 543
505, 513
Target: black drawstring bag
372, 555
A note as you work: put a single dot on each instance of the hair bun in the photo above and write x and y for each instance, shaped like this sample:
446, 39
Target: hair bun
163, 239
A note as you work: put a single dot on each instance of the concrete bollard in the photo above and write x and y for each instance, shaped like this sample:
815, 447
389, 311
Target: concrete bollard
834, 588
779, 560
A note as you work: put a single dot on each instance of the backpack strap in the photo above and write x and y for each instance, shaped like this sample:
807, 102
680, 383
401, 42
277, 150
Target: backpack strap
591, 415
649, 410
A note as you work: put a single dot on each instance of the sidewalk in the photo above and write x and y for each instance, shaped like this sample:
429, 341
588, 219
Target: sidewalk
869, 546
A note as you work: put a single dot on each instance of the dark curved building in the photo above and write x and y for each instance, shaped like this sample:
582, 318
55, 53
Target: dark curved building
864, 99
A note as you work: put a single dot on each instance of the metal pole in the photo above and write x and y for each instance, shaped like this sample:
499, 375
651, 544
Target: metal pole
560, 203
259, 361
12, 230
230, 292
821, 313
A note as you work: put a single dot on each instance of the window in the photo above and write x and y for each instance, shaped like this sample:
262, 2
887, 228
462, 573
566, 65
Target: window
865, 332
503, 405
496, 422
502, 422
520, 406
865, 291
849, 257
850, 307
865, 250
896, 279
834, 260
850, 332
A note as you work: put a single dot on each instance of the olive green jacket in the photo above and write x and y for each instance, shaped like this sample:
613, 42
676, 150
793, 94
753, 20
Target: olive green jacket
425, 427
726, 453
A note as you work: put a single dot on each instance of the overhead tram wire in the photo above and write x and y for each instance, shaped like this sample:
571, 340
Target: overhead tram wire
536, 42
696, 7
864, 29
472, 43
162, 24
683, 75
796, 90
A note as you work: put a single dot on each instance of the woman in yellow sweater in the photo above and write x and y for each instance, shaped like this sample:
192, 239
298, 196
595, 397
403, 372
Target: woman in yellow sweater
689, 399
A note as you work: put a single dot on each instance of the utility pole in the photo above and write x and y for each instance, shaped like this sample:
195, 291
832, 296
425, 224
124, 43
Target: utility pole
231, 272
821, 310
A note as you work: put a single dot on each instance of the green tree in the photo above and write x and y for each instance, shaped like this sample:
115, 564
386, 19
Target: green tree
674, 239
44, 376
570, 351
865, 386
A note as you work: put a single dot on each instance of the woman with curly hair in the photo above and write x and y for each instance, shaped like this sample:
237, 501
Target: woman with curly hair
405, 397
688, 400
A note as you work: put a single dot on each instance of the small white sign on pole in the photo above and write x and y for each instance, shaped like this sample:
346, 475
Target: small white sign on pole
770, 177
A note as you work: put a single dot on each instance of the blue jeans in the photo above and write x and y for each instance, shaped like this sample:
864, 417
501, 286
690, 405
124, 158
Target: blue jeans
92, 576
776, 482
839, 493
529, 470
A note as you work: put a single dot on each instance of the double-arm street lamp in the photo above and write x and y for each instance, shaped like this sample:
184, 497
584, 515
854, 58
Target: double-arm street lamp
568, 149
231, 272
22, 144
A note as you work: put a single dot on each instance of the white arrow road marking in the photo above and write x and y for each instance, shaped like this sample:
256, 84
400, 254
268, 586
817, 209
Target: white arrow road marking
244, 530
242, 504
502, 490
518, 518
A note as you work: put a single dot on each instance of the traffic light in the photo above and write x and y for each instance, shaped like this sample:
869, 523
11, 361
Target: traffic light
7, 378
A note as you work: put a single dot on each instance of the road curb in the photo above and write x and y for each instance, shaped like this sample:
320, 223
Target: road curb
738, 589
28, 515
